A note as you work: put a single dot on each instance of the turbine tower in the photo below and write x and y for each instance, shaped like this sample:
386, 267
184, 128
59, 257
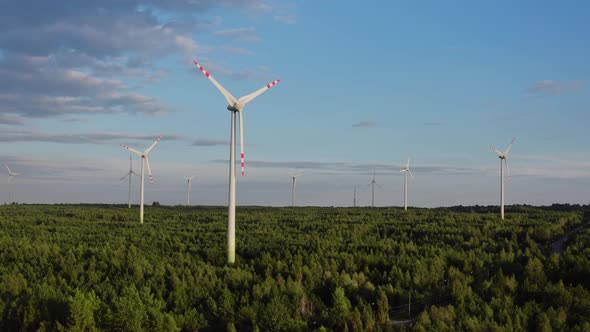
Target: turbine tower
373, 183
129, 173
354, 197
294, 177
503, 157
234, 106
11, 174
144, 160
406, 170
189, 181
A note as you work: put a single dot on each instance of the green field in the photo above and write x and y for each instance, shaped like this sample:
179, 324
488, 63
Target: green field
86, 268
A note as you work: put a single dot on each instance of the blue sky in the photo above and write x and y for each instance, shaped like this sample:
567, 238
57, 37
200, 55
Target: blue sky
362, 87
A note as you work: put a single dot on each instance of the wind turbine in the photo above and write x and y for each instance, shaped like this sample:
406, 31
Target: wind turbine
373, 183
129, 175
144, 157
234, 106
503, 157
294, 177
406, 170
354, 197
10, 176
189, 181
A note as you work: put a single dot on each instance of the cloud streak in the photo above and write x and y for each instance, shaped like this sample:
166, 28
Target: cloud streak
365, 124
553, 88
356, 168
209, 142
11, 136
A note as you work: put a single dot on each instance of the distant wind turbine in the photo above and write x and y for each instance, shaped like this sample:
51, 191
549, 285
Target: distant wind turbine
294, 177
144, 157
373, 183
189, 181
235, 106
406, 170
11, 174
503, 157
129, 173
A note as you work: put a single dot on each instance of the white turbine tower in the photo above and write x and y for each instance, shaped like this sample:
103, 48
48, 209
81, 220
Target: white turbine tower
406, 170
373, 183
144, 157
189, 181
11, 174
234, 106
294, 177
129, 173
503, 157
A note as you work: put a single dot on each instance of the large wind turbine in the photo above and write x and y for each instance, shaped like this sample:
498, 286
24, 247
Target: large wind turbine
235, 106
503, 156
129, 173
294, 177
406, 170
144, 157
189, 181
11, 174
373, 183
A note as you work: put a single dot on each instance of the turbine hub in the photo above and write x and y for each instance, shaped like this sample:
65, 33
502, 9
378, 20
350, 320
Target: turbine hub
235, 107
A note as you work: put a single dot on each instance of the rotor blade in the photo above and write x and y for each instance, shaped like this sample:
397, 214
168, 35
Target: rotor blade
153, 145
508, 170
408, 164
147, 162
241, 115
248, 98
126, 175
507, 152
412, 175
9, 172
131, 149
497, 151
230, 99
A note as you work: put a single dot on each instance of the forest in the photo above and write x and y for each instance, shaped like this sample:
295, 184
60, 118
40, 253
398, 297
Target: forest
95, 268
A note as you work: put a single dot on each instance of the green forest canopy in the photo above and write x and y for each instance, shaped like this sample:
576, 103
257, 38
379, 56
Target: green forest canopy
87, 268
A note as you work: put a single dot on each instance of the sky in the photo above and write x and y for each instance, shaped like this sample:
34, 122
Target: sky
364, 86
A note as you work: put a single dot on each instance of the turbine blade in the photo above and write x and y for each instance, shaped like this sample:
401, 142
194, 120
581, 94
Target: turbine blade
508, 170
131, 149
230, 99
153, 145
9, 172
408, 164
147, 162
126, 175
241, 115
412, 175
248, 98
507, 152
497, 151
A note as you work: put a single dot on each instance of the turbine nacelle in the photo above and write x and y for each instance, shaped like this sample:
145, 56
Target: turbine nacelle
237, 107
